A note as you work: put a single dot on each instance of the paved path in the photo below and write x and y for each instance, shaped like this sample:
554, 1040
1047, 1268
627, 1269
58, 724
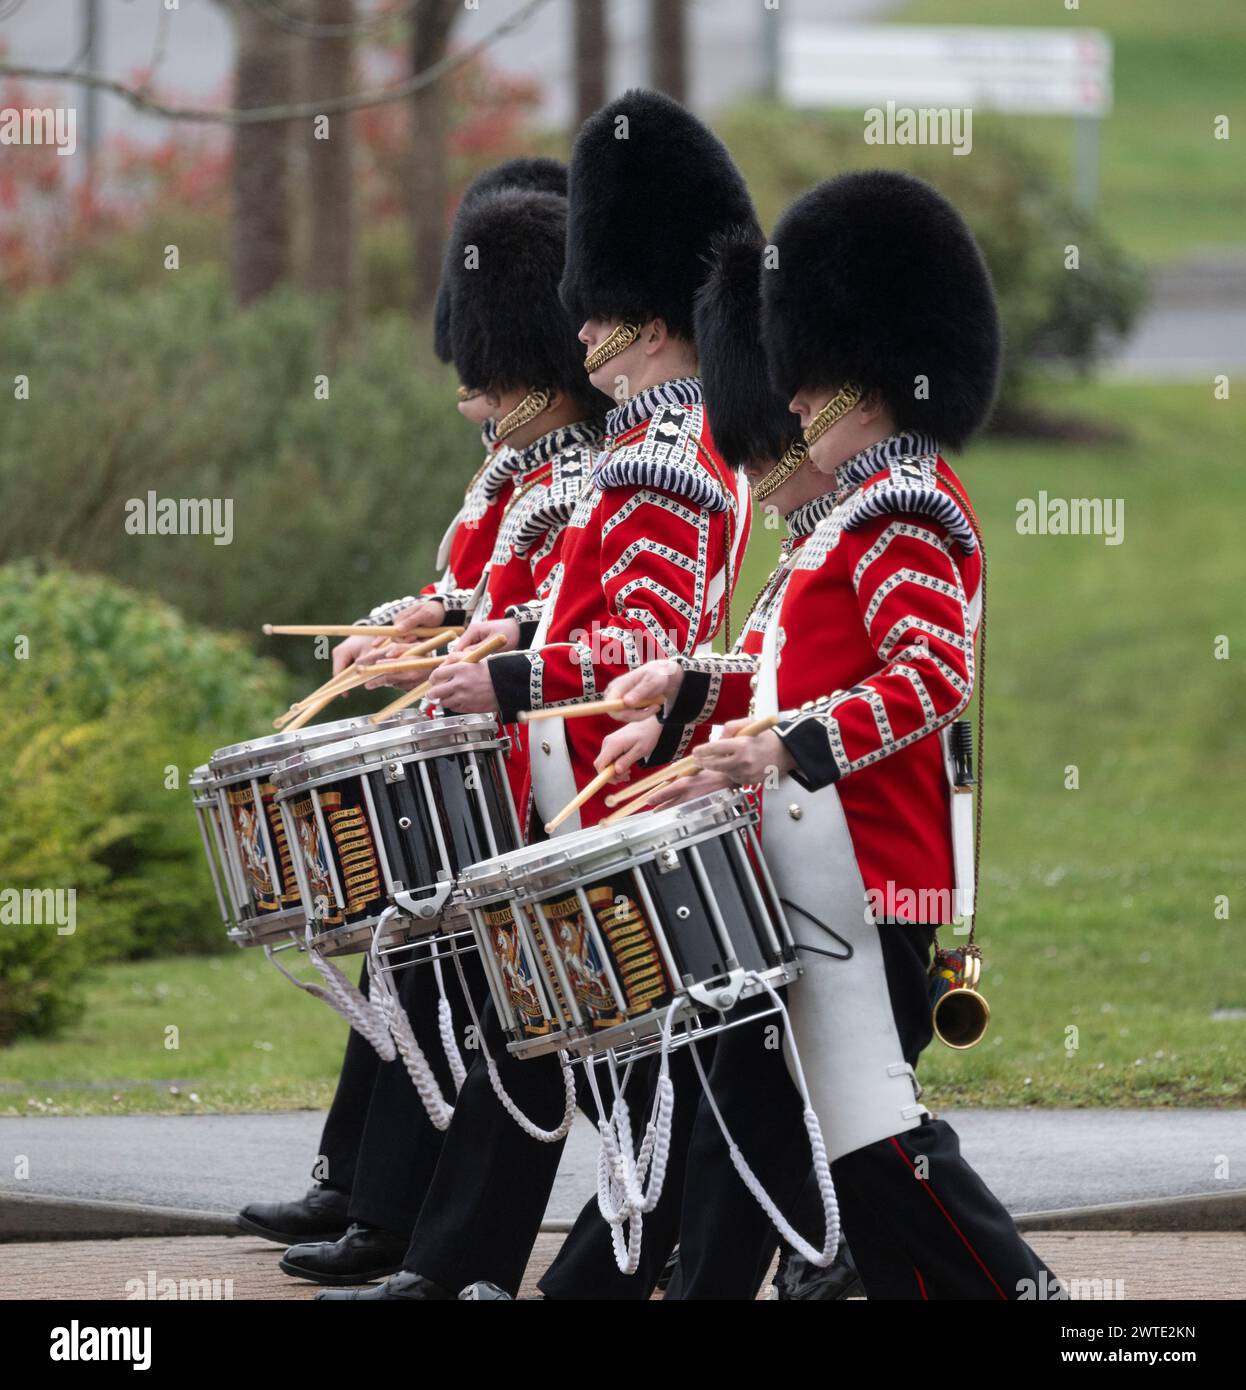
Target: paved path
1112, 1264
1037, 1160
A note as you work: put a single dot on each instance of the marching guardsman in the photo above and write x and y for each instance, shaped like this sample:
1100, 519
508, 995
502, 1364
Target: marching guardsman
353, 1225
880, 323
505, 316
648, 563
468, 542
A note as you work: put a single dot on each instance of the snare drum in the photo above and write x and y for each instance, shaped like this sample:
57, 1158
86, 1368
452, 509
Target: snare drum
243, 835
389, 819
589, 938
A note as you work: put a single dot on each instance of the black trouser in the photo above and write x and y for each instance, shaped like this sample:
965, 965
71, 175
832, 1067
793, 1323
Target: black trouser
395, 1144
344, 1124
920, 1221
484, 1207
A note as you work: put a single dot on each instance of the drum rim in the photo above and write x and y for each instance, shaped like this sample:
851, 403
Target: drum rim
352, 756
628, 842
255, 755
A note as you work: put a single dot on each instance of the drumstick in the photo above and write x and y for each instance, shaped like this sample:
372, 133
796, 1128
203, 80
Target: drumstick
477, 653
587, 794
684, 767
423, 663
345, 678
581, 711
313, 707
344, 630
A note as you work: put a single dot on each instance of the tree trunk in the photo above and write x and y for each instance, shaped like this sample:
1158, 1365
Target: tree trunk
260, 227
330, 267
434, 19
668, 38
592, 42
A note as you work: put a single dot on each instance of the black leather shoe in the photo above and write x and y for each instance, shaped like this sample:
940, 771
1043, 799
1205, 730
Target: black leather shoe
796, 1278
363, 1254
320, 1215
403, 1287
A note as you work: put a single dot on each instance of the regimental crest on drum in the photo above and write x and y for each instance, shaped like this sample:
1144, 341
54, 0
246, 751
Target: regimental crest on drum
521, 990
359, 870
315, 859
629, 943
250, 837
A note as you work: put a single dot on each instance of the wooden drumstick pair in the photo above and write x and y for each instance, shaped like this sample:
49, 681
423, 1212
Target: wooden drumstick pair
477, 653
354, 676
638, 793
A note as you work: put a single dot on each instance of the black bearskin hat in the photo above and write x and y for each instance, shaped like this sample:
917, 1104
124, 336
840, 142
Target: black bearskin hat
749, 419
649, 188
533, 172
880, 282
507, 325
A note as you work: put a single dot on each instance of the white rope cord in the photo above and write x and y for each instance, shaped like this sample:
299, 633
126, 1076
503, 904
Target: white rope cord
622, 1196
817, 1147
445, 1024
344, 997
439, 1109
529, 1127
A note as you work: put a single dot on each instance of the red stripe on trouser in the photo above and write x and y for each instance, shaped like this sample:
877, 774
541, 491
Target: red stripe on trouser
921, 1284
947, 1217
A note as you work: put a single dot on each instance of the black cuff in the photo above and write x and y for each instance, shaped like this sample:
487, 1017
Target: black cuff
511, 674
668, 745
527, 631
809, 744
454, 617
689, 702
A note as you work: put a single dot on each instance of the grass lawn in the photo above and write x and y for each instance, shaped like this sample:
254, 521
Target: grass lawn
1166, 186
1105, 957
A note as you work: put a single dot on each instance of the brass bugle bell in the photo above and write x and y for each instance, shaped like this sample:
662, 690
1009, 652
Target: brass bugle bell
959, 1013
960, 1018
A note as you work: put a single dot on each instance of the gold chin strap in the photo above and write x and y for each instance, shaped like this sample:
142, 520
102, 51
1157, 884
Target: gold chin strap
796, 453
793, 456
835, 409
620, 339
468, 393
523, 414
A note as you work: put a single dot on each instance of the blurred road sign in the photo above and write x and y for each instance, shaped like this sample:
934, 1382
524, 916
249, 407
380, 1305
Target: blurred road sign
1051, 72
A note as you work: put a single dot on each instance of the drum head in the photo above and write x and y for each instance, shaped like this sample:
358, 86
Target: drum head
263, 754
374, 745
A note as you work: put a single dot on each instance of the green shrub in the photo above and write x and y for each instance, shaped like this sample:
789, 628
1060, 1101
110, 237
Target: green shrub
1024, 222
110, 700
337, 503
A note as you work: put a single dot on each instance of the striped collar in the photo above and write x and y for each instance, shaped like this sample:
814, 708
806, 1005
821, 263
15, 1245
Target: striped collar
684, 390
502, 465
583, 434
804, 520
854, 471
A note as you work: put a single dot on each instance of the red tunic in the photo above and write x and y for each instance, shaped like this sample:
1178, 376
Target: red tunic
877, 612
649, 560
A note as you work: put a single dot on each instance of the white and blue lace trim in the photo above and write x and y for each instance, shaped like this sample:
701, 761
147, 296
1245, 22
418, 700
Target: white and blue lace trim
581, 435
852, 473
684, 390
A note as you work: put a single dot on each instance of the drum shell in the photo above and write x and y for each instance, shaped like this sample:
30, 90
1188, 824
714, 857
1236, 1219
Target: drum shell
385, 821
606, 932
257, 886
